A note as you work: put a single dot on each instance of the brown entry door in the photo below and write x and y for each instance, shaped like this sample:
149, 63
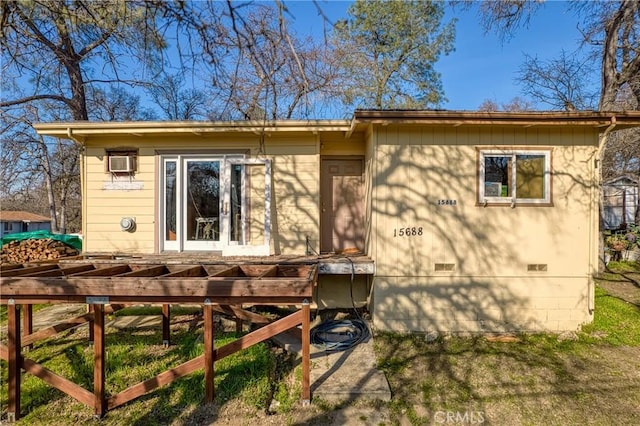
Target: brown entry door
342, 205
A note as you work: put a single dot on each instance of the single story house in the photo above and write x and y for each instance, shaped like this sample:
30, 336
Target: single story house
13, 221
620, 202
475, 221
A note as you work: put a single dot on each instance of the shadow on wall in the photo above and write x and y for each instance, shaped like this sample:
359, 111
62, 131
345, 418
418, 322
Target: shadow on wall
295, 211
440, 252
439, 256
459, 305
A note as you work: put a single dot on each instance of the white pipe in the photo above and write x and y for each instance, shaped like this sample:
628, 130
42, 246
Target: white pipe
598, 159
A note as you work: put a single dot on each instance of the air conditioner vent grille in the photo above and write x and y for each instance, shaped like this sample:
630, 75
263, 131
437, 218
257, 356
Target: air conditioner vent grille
120, 164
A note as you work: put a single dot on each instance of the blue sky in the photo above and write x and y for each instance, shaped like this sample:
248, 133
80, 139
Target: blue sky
482, 67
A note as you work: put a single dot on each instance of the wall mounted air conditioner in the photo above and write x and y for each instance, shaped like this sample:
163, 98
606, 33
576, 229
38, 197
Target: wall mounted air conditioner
120, 164
492, 189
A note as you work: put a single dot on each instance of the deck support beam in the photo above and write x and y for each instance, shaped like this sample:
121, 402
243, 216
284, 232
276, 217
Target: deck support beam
27, 323
15, 358
100, 405
166, 325
306, 341
90, 311
209, 355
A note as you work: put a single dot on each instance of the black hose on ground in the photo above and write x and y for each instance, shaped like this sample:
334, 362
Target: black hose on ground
339, 335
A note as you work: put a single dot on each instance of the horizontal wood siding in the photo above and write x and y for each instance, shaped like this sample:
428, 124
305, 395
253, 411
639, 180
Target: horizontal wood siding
368, 181
295, 183
339, 145
104, 208
296, 189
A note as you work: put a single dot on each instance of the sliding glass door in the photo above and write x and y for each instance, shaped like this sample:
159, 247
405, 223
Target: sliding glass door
215, 203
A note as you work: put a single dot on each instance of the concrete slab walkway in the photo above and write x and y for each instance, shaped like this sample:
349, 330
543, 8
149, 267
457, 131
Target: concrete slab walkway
342, 376
53, 314
348, 375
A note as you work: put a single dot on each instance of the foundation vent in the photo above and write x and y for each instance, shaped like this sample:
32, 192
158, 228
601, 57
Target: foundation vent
537, 267
445, 267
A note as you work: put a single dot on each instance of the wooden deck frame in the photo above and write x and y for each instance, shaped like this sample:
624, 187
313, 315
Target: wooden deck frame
217, 288
29, 337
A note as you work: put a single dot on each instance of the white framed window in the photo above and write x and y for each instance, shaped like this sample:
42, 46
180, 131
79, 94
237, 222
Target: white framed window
514, 177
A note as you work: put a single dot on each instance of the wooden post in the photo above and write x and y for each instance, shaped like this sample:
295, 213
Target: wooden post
166, 325
15, 357
90, 310
209, 359
306, 342
27, 322
100, 403
239, 323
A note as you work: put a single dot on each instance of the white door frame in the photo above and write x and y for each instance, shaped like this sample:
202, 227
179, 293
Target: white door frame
223, 243
240, 247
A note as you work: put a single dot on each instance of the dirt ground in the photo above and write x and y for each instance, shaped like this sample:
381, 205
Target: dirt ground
627, 291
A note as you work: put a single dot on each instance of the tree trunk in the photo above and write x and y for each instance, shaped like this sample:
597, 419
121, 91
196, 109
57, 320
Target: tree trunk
637, 215
79, 97
64, 192
63, 212
615, 36
609, 62
46, 165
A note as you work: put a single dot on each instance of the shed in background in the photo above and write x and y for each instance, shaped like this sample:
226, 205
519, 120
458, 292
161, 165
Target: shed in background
620, 202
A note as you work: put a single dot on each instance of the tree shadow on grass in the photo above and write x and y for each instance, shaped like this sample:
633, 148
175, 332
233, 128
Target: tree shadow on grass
472, 375
237, 376
621, 285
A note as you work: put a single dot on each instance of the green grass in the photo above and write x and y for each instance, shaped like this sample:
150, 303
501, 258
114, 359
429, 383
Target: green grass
536, 380
3, 312
132, 356
617, 321
624, 266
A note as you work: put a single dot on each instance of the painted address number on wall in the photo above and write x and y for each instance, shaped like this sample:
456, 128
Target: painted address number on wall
447, 202
410, 231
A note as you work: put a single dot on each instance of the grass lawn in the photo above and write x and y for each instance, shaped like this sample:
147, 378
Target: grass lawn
534, 380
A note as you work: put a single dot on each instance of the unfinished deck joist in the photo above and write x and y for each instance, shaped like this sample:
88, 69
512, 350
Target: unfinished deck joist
220, 288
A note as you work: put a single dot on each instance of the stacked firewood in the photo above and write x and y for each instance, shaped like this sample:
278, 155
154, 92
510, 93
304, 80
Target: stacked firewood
34, 250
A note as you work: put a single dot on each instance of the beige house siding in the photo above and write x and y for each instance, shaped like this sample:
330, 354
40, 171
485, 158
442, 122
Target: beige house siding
490, 247
295, 182
466, 265
105, 207
369, 173
474, 304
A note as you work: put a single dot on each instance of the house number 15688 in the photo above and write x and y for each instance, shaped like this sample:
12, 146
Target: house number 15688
410, 231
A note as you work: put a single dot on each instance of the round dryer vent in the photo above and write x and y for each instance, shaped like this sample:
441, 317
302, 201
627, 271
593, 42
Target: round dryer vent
128, 224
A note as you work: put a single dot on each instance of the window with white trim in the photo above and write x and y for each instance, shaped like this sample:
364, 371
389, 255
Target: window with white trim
513, 177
